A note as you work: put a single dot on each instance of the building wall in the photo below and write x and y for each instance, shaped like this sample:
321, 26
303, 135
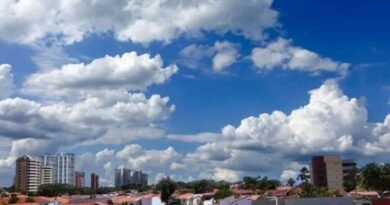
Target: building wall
94, 181
63, 167
334, 172
151, 201
80, 179
327, 171
319, 201
46, 175
27, 176
381, 202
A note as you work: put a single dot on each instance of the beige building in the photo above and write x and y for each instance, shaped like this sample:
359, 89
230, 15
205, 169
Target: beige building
46, 176
27, 176
327, 171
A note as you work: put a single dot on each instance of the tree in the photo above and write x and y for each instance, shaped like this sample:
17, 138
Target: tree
291, 182
311, 191
304, 175
223, 193
351, 180
250, 182
30, 200
14, 199
202, 186
167, 188
376, 176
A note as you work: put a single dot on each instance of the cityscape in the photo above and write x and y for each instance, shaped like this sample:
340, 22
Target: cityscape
194, 102
31, 173
52, 179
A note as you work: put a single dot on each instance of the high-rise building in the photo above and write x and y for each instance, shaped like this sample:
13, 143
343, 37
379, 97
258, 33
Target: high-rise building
46, 175
327, 171
27, 176
63, 167
348, 165
80, 179
124, 177
94, 182
144, 179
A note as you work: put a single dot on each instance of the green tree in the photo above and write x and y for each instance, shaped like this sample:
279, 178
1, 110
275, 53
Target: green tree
304, 175
14, 199
291, 182
30, 200
351, 180
202, 186
250, 182
311, 191
376, 176
167, 188
223, 193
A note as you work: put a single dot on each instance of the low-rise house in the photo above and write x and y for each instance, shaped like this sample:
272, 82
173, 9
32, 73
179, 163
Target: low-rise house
242, 200
83, 200
131, 199
190, 199
363, 194
151, 199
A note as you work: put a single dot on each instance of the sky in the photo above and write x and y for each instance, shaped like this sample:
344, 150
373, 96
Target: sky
205, 89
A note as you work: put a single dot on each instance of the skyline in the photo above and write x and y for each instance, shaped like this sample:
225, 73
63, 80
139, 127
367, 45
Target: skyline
208, 89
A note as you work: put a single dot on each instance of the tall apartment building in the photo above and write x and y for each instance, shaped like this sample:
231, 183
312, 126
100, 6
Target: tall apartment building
27, 176
80, 179
94, 182
348, 165
124, 177
63, 167
46, 176
327, 171
144, 179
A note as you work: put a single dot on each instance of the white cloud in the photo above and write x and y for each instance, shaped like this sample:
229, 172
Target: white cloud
223, 54
28, 21
133, 156
199, 137
118, 73
330, 123
6, 81
88, 119
282, 54
226, 55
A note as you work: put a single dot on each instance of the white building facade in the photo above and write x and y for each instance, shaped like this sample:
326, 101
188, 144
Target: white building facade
63, 165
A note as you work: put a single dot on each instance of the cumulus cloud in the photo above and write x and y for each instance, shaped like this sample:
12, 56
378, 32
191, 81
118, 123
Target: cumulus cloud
226, 55
114, 73
282, 54
199, 137
28, 21
222, 53
91, 118
6, 81
330, 123
132, 156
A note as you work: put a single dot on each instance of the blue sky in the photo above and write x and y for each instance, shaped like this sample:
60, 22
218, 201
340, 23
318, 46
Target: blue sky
322, 64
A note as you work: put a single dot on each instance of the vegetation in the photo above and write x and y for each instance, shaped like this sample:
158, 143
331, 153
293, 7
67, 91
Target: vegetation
30, 200
259, 183
14, 199
304, 175
376, 176
351, 180
167, 187
51, 190
291, 182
